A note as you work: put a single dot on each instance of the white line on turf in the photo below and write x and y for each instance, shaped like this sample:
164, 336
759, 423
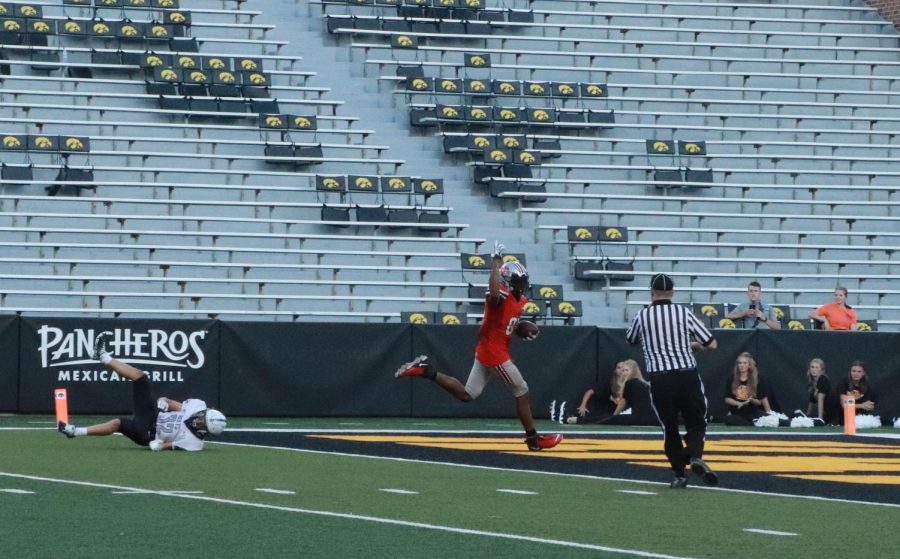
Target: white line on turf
400, 491
558, 474
142, 492
275, 423
635, 492
769, 532
361, 517
516, 492
276, 491
17, 491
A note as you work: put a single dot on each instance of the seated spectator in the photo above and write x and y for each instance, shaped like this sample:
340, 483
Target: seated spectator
858, 387
630, 394
818, 388
746, 393
837, 315
754, 313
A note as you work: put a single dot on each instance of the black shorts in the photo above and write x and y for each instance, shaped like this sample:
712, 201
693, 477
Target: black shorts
141, 427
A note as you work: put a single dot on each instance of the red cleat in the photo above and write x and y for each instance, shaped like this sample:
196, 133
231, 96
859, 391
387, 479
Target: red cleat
415, 368
540, 442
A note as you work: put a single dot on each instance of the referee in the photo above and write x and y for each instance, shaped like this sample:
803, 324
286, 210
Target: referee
669, 335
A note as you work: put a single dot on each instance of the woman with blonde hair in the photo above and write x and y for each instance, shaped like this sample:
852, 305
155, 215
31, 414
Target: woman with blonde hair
818, 387
746, 392
630, 394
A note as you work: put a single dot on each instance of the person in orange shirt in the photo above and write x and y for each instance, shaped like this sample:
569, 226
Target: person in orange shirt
504, 301
837, 315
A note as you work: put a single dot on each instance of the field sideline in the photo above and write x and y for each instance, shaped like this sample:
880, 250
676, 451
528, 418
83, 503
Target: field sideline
442, 488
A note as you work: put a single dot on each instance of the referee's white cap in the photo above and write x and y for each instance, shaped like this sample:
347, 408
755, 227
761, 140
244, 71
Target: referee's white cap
661, 282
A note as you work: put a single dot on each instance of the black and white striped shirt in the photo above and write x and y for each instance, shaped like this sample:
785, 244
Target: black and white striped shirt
667, 331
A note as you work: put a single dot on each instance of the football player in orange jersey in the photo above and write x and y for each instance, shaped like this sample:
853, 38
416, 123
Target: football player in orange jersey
504, 301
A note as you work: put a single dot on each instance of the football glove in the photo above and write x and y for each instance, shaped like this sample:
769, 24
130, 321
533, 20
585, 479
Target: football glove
156, 445
498, 250
162, 405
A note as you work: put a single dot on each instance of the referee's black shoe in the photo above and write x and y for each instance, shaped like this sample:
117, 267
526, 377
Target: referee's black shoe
680, 482
699, 467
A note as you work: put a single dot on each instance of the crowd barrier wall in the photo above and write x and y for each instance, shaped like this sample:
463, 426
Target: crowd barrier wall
346, 369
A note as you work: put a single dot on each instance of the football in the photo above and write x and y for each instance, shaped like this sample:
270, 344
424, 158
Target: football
527, 329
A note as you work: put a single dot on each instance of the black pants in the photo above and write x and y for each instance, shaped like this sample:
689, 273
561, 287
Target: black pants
140, 427
681, 392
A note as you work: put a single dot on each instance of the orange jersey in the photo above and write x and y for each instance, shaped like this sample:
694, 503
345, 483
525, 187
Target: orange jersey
497, 327
840, 318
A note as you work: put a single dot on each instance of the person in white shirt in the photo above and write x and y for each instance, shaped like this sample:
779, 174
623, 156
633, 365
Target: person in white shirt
162, 424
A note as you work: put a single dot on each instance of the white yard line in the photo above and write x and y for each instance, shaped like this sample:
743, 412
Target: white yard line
276, 491
516, 492
769, 532
635, 492
400, 491
17, 491
143, 492
364, 518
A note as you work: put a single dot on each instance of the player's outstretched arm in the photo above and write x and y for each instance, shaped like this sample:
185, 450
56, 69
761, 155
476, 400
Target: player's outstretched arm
494, 279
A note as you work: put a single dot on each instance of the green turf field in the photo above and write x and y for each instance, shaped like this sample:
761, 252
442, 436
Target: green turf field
104, 497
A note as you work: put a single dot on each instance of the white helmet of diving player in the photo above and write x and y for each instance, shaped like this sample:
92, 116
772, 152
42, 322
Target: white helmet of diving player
215, 422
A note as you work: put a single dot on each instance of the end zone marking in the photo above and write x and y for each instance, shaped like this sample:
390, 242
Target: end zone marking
276, 491
769, 532
517, 492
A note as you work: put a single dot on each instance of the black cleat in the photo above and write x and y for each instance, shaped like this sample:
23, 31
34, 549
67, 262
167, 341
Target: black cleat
699, 467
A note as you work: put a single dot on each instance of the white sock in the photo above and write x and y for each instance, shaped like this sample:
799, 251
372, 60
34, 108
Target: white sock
105, 358
81, 431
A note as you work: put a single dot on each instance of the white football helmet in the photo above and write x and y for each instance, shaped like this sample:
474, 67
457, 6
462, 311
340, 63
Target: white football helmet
215, 422
514, 276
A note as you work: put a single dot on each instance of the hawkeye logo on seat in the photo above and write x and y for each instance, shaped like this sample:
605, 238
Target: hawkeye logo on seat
163, 354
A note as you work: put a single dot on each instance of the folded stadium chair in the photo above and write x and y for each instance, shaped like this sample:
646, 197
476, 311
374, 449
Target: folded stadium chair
375, 215
167, 89
308, 155
331, 213
72, 174
22, 173
435, 218
279, 151
402, 216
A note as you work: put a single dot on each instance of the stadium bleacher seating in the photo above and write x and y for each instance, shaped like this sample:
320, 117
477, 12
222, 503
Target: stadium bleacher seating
728, 142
